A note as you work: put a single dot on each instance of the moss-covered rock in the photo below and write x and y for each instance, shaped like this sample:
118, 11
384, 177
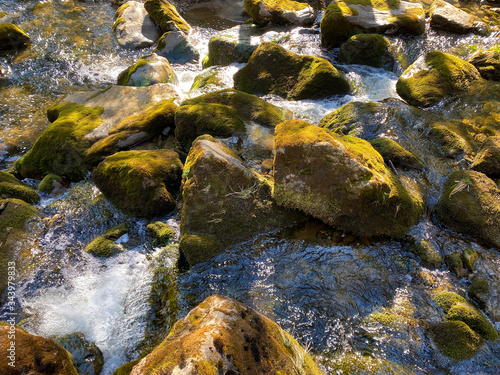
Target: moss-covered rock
126, 368
487, 160
140, 183
433, 76
470, 204
161, 232
342, 181
223, 113
148, 70
86, 356
456, 340
49, 183
79, 121
451, 144
223, 336
166, 16
393, 152
488, 63
280, 12
368, 49
455, 264
224, 202
478, 291
208, 77
105, 246
345, 18
12, 37
469, 257
133, 27
273, 70
176, 47
11, 187
426, 251
445, 16
33, 354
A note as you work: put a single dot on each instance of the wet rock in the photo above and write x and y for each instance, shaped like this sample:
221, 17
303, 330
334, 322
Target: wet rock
105, 245
392, 152
368, 49
223, 113
478, 291
224, 202
451, 144
455, 264
280, 12
50, 183
426, 250
175, 46
487, 63
34, 355
87, 357
133, 27
469, 258
12, 37
487, 160
209, 77
344, 19
11, 187
445, 16
161, 232
148, 70
222, 335
470, 204
6, 17
433, 76
273, 70
342, 181
140, 183
166, 16
82, 119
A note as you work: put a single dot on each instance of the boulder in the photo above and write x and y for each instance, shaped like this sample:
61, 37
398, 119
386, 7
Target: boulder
221, 335
82, 119
33, 355
11, 187
148, 70
12, 37
50, 183
162, 233
133, 27
445, 16
224, 202
394, 153
223, 113
433, 76
450, 143
345, 18
273, 70
488, 158
87, 357
342, 181
175, 46
140, 183
105, 245
166, 16
456, 340
280, 12
470, 204
368, 49
487, 63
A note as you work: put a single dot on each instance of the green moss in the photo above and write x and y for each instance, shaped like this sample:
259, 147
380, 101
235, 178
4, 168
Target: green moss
377, 4
468, 314
275, 8
124, 77
470, 257
208, 78
12, 36
445, 300
199, 248
164, 14
11, 187
488, 63
456, 340
478, 290
426, 251
105, 246
392, 150
450, 142
455, 264
227, 49
161, 232
126, 369
47, 183
15, 213
368, 49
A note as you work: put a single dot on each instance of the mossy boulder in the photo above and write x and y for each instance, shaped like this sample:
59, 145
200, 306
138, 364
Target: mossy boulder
79, 121
393, 152
11, 187
433, 76
161, 232
450, 143
105, 245
342, 181
469, 257
126, 368
455, 264
280, 12
445, 16
140, 183
50, 183
224, 202
223, 113
33, 354
456, 340
12, 37
273, 70
487, 160
488, 63
426, 250
470, 204
368, 49
133, 27
345, 18
176, 47
86, 356
148, 70
478, 291
221, 335
166, 16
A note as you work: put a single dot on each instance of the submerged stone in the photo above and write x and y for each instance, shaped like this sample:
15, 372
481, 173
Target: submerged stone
11, 187
487, 159
368, 49
451, 144
487, 63
166, 16
148, 70
140, 183
175, 46
105, 245
87, 357
221, 335
12, 37
342, 181
280, 12
273, 70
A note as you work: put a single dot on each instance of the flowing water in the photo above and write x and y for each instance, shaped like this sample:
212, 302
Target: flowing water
325, 290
